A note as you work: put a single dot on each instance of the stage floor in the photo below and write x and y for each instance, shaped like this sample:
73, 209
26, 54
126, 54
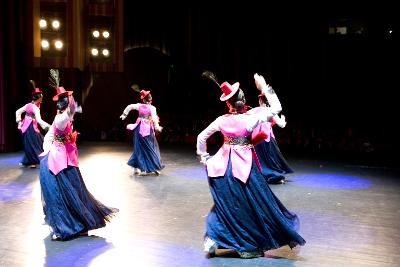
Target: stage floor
349, 214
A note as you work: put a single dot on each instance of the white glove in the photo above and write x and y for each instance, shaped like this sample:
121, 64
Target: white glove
78, 109
260, 82
280, 121
47, 127
204, 158
123, 116
283, 118
159, 129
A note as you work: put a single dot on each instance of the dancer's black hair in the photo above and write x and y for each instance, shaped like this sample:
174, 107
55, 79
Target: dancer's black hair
237, 101
62, 102
147, 99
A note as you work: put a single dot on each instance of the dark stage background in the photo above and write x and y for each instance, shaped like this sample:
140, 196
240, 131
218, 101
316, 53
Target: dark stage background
337, 91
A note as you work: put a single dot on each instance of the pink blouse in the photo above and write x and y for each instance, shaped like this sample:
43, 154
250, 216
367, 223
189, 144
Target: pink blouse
60, 144
32, 115
147, 118
235, 125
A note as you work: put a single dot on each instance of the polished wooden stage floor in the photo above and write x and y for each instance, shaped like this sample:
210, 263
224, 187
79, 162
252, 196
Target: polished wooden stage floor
349, 214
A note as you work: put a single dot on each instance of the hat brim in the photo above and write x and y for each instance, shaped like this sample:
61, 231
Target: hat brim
38, 92
55, 98
145, 94
235, 87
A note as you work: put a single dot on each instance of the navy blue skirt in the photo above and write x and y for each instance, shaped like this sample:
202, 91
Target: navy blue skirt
273, 165
33, 146
68, 206
146, 153
249, 217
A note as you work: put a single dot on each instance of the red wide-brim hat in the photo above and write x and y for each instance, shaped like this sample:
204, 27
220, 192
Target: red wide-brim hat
60, 92
228, 90
144, 93
37, 91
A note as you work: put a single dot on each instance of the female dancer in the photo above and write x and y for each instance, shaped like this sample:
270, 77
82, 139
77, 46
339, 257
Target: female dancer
70, 209
246, 217
32, 139
273, 165
146, 158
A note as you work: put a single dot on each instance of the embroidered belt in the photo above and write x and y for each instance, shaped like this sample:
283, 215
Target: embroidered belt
62, 138
147, 117
237, 140
30, 115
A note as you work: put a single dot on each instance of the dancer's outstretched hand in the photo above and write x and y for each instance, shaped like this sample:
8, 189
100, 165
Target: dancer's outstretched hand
78, 108
282, 122
159, 129
260, 81
123, 117
204, 158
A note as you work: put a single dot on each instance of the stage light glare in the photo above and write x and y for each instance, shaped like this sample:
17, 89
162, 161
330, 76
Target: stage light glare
43, 24
96, 34
58, 44
106, 34
45, 44
55, 24
105, 52
95, 52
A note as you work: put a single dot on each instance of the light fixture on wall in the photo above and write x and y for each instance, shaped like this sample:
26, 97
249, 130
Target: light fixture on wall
106, 34
94, 52
45, 44
55, 24
96, 33
105, 52
42, 24
58, 44
100, 40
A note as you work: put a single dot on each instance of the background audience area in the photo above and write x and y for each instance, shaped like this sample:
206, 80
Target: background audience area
296, 139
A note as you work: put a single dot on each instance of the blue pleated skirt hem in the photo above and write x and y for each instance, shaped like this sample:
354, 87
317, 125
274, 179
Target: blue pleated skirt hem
249, 217
68, 206
146, 153
273, 165
33, 146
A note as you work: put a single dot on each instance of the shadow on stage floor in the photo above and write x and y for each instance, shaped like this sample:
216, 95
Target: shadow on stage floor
349, 213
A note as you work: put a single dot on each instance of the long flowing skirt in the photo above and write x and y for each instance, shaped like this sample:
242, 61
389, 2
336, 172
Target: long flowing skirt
68, 206
33, 146
249, 217
273, 165
146, 153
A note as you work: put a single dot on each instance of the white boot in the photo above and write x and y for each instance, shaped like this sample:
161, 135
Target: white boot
209, 245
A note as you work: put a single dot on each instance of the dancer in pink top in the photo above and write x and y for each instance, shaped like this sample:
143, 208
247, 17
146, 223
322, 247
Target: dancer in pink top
273, 165
32, 138
246, 217
146, 158
70, 209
